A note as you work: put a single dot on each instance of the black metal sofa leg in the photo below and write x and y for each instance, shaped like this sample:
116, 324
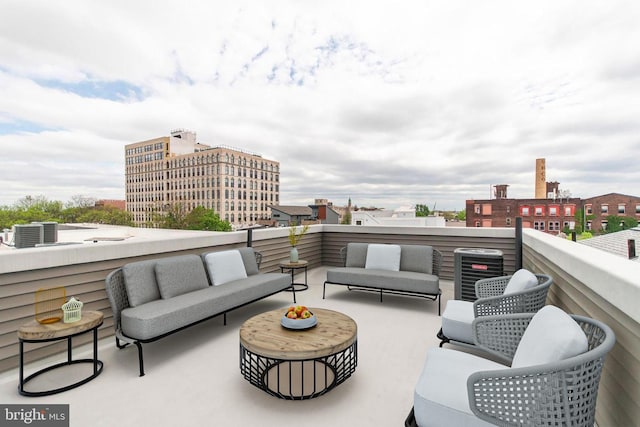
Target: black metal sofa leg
140, 360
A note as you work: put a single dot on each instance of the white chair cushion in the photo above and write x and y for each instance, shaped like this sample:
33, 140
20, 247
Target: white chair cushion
521, 281
552, 335
383, 257
441, 397
457, 319
225, 266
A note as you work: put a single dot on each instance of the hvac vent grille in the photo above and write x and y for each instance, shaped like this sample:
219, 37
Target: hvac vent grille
50, 231
472, 265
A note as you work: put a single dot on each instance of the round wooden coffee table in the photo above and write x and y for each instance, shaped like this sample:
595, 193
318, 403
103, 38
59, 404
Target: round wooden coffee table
298, 364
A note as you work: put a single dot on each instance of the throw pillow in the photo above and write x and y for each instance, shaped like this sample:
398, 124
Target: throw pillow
552, 335
180, 274
521, 281
383, 257
225, 266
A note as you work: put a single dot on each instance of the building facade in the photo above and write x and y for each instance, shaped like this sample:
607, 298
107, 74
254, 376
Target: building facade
177, 172
552, 214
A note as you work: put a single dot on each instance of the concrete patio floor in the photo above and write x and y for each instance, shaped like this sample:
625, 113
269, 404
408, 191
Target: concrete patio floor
193, 377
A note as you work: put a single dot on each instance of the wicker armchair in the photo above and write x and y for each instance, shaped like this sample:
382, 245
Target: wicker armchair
492, 300
558, 393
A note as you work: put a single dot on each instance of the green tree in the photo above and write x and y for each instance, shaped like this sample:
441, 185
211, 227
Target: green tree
462, 215
201, 218
617, 223
346, 219
422, 210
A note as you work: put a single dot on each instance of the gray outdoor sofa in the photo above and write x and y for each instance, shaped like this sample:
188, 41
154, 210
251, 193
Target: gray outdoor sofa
154, 298
398, 269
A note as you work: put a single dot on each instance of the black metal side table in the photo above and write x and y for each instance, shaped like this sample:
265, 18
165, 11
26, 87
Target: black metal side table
293, 266
34, 332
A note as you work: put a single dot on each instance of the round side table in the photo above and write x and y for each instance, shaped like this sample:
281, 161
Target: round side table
293, 266
34, 332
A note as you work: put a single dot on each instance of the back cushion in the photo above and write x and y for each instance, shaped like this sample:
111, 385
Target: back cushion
356, 254
521, 281
225, 266
140, 282
383, 257
417, 258
180, 274
552, 335
249, 260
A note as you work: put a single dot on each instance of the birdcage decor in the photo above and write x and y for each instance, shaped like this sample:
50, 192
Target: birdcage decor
72, 310
49, 303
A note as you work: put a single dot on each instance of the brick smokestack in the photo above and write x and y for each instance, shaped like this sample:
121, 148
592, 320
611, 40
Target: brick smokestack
541, 179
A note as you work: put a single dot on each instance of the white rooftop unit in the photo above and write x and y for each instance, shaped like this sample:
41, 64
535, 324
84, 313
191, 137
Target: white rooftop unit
28, 235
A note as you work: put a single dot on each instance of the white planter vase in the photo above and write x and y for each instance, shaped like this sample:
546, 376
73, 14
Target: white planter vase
293, 255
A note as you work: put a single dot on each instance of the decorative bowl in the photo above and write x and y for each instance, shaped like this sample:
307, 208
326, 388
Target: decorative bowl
307, 323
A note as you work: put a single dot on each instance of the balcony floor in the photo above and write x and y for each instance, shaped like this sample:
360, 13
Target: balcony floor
193, 377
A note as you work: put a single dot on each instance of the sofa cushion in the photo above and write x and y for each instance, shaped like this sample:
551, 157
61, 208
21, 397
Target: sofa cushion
383, 257
408, 281
180, 274
249, 259
521, 281
417, 258
140, 282
225, 266
457, 319
441, 397
552, 335
356, 255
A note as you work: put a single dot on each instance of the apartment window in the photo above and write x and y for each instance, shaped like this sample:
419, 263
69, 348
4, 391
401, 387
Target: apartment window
604, 209
588, 209
554, 225
589, 225
621, 208
476, 209
638, 209
553, 210
603, 225
524, 210
508, 221
539, 210
538, 225
570, 210
477, 224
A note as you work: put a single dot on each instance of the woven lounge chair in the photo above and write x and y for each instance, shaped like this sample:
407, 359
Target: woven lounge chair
522, 292
556, 362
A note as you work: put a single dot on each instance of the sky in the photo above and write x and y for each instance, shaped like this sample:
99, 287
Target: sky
389, 103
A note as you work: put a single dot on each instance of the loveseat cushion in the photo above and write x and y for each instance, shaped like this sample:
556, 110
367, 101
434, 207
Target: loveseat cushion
383, 257
441, 397
180, 274
551, 336
356, 255
140, 282
408, 281
225, 266
417, 258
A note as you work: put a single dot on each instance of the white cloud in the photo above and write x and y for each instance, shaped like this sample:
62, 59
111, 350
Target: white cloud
384, 102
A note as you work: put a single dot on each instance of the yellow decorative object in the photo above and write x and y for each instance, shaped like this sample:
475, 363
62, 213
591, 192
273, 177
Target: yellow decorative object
48, 302
72, 310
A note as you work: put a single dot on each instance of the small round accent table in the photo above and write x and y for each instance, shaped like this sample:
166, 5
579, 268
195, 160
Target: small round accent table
293, 266
298, 364
34, 332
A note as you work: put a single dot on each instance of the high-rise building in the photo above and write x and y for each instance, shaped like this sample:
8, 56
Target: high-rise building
177, 172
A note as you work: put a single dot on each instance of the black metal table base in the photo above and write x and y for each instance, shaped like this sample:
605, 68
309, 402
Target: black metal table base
297, 287
298, 379
97, 366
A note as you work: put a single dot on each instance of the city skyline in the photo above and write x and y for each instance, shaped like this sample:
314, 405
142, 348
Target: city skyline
390, 105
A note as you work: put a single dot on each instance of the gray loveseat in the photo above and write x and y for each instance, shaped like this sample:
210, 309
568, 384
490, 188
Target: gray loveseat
155, 298
398, 269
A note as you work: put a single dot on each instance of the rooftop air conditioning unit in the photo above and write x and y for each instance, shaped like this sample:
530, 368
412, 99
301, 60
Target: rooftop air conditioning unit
28, 235
50, 231
471, 265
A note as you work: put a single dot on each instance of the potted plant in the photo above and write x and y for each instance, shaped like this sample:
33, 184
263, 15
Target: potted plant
294, 238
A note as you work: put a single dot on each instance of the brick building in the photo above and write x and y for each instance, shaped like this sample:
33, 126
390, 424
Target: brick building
551, 214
